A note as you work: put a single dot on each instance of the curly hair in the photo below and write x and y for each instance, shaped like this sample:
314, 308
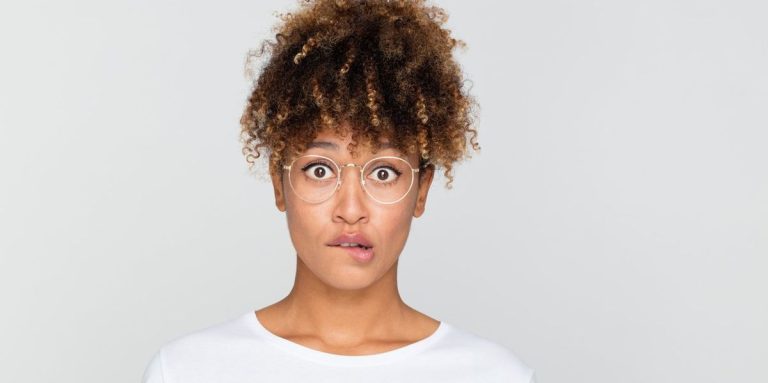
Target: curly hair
383, 66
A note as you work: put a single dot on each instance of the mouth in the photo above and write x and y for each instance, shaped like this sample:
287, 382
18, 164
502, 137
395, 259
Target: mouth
353, 245
352, 240
356, 245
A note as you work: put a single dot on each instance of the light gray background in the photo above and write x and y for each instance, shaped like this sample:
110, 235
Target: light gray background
613, 229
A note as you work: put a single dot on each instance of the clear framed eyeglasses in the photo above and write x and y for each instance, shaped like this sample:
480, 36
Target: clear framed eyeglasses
315, 178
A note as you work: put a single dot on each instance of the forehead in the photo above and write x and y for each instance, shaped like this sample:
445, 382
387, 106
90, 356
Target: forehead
328, 142
336, 143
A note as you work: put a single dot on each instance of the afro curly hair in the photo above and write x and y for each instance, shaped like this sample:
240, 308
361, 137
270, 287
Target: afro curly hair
385, 67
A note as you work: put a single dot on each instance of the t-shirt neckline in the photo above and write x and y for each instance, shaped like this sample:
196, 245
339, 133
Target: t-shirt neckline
252, 321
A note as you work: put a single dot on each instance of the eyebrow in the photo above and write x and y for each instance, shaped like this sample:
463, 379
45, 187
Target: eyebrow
334, 146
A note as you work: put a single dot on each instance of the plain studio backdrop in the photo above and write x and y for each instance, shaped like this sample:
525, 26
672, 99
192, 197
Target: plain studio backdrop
614, 227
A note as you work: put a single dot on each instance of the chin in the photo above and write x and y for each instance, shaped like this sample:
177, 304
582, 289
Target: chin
345, 274
350, 277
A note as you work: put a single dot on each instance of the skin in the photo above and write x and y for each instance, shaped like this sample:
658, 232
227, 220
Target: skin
338, 305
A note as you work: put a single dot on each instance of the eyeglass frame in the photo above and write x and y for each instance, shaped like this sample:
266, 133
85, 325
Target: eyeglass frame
362, 178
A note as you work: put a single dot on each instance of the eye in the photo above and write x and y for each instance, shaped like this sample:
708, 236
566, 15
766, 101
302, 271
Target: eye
384, 174
318, 171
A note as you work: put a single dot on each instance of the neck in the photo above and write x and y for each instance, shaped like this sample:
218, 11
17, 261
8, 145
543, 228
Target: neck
343, 316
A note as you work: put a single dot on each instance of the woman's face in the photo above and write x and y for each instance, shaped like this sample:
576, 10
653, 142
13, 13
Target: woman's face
313, 226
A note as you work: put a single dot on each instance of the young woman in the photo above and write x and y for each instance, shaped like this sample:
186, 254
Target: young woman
358, 104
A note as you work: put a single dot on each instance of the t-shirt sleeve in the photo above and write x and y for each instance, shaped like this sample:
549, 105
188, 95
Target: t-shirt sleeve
154, 370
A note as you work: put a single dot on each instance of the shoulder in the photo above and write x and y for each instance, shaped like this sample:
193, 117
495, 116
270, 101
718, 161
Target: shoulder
225, 334
200, 347
484, 355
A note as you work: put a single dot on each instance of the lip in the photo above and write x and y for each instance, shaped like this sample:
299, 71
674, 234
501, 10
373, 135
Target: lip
358, 253
351, 237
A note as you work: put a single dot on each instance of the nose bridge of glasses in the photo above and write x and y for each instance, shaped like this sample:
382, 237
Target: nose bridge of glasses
356, 172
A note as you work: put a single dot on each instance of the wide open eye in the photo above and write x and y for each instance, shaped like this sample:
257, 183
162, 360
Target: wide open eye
384, 174
318, 171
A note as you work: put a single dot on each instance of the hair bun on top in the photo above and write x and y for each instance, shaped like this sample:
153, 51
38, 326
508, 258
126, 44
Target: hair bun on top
384, 67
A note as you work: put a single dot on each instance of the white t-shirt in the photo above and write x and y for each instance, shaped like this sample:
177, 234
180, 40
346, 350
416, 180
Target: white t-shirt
242, 350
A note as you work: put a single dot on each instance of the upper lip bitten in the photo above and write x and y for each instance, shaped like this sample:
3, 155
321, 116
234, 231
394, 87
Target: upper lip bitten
351, 238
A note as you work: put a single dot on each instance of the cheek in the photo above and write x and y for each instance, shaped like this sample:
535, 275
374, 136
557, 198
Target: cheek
305, 224
394, 226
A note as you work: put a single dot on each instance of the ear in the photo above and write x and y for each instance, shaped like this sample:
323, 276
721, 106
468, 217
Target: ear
425, 181
277, 184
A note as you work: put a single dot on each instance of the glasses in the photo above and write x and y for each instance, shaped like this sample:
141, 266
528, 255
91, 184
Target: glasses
315, 178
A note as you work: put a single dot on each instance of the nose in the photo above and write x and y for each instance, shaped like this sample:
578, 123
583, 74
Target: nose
350, 200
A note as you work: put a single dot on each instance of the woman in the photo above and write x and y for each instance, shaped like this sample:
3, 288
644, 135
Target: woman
371, 86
